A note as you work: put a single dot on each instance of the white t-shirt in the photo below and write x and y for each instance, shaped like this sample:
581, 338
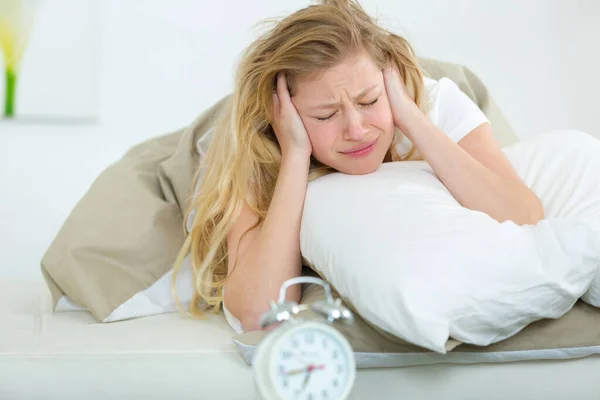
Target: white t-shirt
450, 110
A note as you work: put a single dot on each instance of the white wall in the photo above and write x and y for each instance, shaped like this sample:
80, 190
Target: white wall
165, 61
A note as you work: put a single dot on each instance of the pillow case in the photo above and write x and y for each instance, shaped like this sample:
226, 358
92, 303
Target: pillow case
410, 260
563, 168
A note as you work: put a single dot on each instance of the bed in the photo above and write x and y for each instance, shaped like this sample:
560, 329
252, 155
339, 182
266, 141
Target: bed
71, 356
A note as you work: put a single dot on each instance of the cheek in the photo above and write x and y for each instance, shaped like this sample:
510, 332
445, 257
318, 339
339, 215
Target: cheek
322, 136
381, 117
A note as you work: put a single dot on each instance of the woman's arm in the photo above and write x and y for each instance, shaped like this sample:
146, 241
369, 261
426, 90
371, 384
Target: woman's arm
474, 170
268, 255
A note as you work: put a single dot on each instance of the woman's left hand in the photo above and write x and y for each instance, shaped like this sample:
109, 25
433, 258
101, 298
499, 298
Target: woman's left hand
402, 104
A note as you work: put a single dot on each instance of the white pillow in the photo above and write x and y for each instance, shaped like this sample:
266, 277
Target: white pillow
412, 261
563, 168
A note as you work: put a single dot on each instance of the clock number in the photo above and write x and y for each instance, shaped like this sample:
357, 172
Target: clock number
335, 383
340, 368
286, 354
295, 343
335, 354
324, 394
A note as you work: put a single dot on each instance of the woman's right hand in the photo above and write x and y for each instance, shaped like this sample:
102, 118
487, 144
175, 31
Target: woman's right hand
287, 124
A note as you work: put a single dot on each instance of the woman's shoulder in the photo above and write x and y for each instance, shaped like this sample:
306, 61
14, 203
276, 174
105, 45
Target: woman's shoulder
436, 88
450, 109
444, 92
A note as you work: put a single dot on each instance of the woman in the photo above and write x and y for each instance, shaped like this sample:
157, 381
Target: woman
326, 90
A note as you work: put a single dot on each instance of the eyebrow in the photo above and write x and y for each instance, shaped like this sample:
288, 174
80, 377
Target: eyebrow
335, 104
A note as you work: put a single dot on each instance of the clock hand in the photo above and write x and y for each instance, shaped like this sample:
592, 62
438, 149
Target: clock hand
310, 368
295, 371
308, 373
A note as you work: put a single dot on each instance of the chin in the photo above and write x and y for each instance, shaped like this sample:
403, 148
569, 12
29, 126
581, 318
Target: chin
360, 167
362, 170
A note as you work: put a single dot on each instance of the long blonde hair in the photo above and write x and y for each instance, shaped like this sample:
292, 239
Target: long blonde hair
243, 159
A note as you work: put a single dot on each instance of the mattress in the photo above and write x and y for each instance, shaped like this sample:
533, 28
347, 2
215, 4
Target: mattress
70, 356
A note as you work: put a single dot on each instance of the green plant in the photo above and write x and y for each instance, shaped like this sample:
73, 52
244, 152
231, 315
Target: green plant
15, 26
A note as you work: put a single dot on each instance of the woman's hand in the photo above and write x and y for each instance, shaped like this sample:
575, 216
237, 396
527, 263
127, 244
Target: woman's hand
402, 104
287, 124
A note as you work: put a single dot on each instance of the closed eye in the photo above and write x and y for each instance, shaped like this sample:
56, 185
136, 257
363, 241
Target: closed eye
372, 103
326, 118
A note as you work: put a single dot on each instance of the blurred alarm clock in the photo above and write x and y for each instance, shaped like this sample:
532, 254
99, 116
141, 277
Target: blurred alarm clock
302, 359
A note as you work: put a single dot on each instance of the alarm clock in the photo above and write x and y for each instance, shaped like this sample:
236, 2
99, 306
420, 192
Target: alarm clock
302, 359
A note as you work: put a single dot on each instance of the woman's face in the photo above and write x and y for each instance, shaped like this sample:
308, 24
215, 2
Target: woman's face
347, 115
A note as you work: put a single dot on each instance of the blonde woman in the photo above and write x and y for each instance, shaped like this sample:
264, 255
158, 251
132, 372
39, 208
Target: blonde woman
326, 89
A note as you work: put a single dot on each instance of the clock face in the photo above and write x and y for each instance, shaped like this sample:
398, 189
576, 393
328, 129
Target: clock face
311, 362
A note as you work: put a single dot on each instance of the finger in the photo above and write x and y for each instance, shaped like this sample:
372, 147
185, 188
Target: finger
387, 80
275, 113
390, 74
282, 88
387, 77
275, 103
394, 83
393, 71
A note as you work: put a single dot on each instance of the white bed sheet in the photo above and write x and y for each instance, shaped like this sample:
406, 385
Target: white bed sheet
70, 356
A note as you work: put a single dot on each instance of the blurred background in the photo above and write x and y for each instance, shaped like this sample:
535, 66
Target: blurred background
98, 76
164, 61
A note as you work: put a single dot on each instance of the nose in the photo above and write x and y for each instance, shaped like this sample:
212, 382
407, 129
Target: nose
354, 129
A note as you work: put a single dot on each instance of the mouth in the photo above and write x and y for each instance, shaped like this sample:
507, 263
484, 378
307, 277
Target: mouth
361, 149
